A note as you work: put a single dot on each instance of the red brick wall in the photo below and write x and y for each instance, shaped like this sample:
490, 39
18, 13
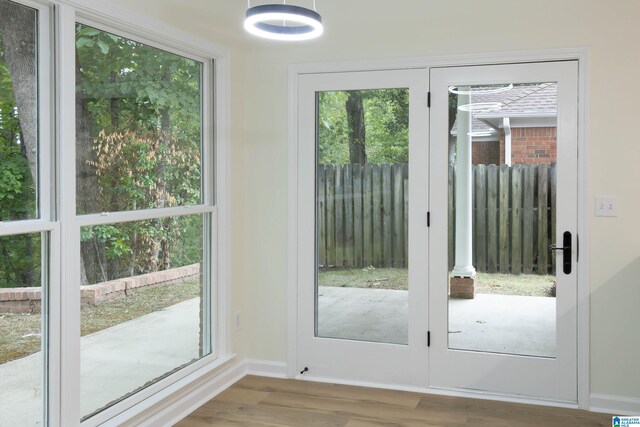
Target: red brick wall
531, 146
485, 153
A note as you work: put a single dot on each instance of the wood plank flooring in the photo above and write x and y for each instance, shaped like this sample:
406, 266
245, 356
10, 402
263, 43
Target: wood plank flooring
258, 401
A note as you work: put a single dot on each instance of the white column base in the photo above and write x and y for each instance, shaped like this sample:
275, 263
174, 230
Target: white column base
463, 271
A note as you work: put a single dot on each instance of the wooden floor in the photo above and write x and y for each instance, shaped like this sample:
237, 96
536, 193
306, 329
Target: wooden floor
257, 401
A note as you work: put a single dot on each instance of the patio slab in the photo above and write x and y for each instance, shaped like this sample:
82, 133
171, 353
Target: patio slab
490, 323
115, 361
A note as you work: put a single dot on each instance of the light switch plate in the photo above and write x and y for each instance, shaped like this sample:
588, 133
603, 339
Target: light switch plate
606, 206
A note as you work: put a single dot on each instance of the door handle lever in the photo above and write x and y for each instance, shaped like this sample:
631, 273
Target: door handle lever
566, 251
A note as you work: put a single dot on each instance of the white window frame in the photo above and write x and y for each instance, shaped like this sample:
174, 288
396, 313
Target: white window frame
57, 196
46, 223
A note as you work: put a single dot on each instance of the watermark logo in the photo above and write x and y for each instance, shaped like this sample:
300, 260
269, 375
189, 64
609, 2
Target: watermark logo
625, 421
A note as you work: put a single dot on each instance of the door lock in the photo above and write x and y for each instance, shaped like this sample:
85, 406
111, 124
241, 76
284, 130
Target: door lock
566, 252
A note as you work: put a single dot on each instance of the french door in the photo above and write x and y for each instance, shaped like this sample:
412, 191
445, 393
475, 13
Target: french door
502, 266
437, 244
362, 230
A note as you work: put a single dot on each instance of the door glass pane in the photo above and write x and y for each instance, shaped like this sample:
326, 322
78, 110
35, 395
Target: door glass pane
147, 317
22, 316
18, 112
361, 215
138, 125
502, 218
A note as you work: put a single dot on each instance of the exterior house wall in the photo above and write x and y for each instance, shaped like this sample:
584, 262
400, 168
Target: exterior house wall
531, 146
486, 152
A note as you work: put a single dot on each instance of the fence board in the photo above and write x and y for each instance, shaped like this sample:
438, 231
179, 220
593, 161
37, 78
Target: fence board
367, 215
480, 231
377, 229
398, 217
528, 220
330, 178
543, 219
339, 207
492, 218
503, 218
516, 219
387, 209
357, 216
349, 256
322, 226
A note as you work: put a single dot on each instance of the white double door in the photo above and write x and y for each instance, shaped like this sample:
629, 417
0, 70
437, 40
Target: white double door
428, 204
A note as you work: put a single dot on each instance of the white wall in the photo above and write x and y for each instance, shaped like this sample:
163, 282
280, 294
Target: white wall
375, 29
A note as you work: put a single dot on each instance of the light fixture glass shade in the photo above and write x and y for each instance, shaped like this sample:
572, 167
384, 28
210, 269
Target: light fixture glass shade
307, 23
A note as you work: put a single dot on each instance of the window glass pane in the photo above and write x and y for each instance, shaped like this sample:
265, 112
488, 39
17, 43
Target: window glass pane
21, 332
502, 218
145, 317
361, 219
138, 125
18, 112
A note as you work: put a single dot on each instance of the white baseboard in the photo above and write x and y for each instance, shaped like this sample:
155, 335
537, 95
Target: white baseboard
266, 368
616, 405
176, 406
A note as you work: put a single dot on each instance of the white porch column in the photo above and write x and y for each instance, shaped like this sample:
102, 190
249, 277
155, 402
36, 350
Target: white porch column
464, 208
506, 124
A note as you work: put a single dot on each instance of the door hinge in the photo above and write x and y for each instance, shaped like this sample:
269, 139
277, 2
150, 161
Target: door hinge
428, 219
429, 99
577, 247
428, 338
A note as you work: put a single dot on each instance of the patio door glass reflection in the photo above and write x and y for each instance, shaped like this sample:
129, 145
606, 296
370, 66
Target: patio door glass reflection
362, 152
502, 218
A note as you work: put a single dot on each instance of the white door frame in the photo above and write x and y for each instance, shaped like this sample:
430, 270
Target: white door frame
579, 54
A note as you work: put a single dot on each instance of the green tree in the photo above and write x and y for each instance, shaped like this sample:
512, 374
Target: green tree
139, 148
383, 134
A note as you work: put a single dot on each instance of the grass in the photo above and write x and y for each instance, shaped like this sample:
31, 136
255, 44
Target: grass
20, 333
396, 278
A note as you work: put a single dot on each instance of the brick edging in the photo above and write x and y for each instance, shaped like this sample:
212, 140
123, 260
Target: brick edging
28, 300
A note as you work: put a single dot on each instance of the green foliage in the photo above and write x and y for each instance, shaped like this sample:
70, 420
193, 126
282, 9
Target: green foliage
386, 114
144, 108
19, 255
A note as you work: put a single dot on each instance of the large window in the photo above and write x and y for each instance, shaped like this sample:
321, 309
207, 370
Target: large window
139, 155
25, 229
107, 273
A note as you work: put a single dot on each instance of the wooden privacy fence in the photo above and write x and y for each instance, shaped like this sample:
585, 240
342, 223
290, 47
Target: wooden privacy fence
514, 218
363, 217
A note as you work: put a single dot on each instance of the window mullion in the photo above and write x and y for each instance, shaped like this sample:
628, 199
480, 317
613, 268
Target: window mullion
69, 385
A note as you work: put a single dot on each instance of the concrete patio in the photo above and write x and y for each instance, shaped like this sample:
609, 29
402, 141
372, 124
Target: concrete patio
115, 362
490, 323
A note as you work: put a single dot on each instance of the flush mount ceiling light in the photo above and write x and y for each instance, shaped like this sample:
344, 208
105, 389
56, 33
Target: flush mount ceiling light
479, 133
283, 22
477, 107
481, 90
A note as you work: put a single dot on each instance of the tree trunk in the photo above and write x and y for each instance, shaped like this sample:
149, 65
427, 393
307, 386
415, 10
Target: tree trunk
355, 122
161, 255
87, 189
18, 29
